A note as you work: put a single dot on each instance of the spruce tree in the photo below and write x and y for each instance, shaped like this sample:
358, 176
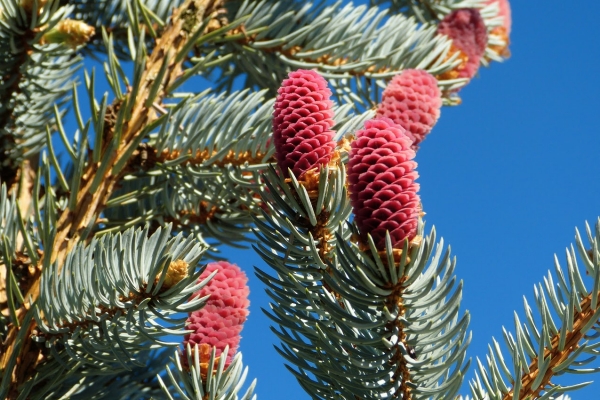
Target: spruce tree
113, 282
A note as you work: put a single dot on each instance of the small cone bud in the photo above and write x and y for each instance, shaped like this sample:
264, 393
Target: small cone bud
70, 32
177, 271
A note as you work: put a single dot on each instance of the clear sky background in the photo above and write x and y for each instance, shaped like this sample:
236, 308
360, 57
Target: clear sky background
505, 178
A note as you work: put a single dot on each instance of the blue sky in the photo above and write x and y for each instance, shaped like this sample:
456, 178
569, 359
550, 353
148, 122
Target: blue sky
505, 178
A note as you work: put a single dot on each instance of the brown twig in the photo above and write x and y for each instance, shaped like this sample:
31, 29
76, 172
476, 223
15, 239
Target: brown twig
206, 213
402, 371
291, 52
231, 158
319, 232
395, 301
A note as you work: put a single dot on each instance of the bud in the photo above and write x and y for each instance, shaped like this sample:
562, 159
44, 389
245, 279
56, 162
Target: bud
177, 271
302, 123
219, 323
412, 100
381, 176
467, 30
69, 32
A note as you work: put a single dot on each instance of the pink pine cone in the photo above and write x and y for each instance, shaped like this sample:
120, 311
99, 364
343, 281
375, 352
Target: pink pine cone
381, 176
221, 320
302, 123
412, 100
467, 30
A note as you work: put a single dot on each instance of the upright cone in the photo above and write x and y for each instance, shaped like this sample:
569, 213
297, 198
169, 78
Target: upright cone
381, 176
302, 123
467, 30
412, 100
219, 323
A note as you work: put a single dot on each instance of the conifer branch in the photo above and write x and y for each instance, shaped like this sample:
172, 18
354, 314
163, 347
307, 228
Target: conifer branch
202, 172
365, 306
402, 367
94, 294
342, 42
428, 10
201, 157
72, 224
555, 341
531, 386
294, 232
26, 69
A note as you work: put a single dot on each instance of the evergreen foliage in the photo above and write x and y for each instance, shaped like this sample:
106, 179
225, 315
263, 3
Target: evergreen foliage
103, 246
